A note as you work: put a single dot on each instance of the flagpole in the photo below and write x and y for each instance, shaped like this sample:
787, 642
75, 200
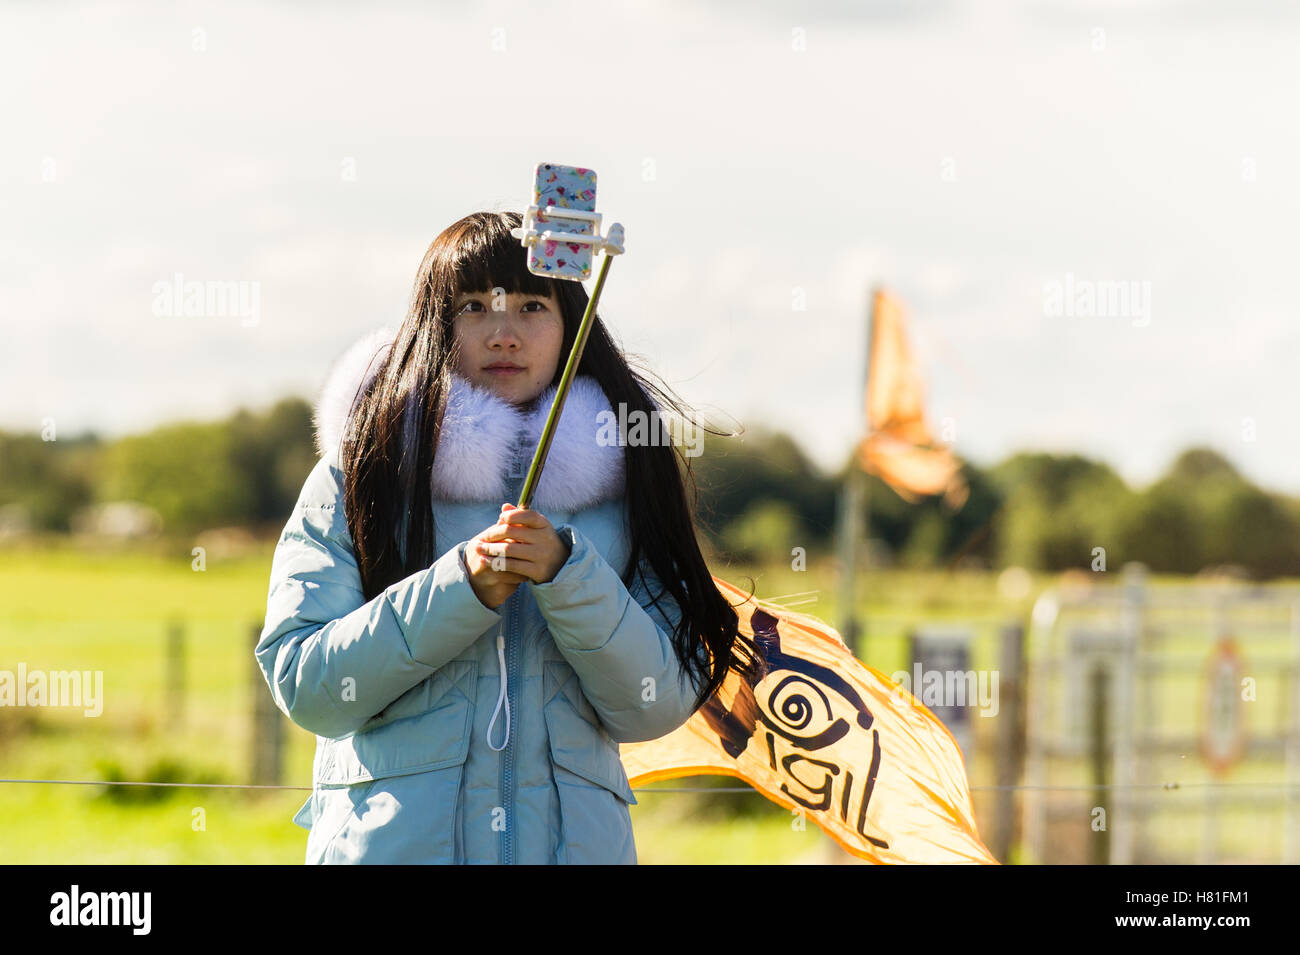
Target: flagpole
864, 511
850, 495
854, 502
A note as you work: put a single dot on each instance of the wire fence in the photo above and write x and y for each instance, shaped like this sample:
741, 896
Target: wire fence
1172, 785
1122, 741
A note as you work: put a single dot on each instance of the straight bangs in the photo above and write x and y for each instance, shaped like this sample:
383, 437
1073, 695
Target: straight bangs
488, 257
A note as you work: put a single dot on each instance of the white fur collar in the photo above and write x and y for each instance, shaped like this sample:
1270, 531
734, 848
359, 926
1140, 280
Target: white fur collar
479, 432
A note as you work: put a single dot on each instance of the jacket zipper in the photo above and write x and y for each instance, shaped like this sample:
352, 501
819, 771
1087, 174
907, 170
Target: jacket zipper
517, 474
508, 755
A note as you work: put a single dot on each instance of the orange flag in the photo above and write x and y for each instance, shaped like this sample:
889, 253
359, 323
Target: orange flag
826, 735
899, 445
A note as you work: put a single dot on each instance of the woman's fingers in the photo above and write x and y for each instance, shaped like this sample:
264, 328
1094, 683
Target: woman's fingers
515, 532
515, 547
515, 557
495, 551
494, 570
514, 570
526, 517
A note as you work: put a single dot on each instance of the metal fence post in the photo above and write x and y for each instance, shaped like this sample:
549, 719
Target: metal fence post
1291, 773
174, 674
267, 725
1125, 772
1099, 757
1009, 758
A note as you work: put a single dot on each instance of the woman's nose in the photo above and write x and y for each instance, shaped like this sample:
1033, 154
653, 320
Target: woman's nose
504, 331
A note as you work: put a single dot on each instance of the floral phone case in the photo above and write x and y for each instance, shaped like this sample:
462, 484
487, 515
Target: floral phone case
565, 188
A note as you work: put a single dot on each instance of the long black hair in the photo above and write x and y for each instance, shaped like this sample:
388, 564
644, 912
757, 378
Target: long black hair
392, 437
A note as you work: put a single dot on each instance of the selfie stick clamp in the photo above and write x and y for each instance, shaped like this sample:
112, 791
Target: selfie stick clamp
531, 235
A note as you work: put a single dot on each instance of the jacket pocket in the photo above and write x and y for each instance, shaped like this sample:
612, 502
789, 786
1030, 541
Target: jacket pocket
390, 793
334, 811
590, 782
306, 813
418, 732
412, 819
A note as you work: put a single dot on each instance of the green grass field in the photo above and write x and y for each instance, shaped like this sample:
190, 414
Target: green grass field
70, 609
66, 608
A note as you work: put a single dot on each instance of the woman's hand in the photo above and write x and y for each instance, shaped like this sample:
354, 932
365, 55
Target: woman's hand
491, 582
523, 544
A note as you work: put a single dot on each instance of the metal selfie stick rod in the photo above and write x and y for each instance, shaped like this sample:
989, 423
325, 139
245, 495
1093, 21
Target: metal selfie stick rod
557, 406
611, 246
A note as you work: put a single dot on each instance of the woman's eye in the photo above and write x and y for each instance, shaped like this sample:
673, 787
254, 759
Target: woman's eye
474, 305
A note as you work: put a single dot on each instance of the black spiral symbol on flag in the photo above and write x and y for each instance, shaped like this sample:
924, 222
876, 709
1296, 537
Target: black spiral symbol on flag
793, 708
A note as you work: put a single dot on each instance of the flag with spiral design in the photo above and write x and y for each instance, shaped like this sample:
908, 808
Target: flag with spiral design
825, 735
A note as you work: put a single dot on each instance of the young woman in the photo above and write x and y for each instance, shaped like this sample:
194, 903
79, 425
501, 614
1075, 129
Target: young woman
470, 668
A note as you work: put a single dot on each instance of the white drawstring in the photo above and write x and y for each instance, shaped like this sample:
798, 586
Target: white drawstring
516, 470
501, 662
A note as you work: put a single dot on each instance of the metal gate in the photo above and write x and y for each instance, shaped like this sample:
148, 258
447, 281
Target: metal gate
1163, 723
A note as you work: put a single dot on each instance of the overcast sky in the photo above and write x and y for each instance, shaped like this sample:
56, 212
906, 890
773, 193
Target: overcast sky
966, 155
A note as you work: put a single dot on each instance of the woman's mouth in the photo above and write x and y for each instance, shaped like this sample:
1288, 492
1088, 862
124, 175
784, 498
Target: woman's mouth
505, 370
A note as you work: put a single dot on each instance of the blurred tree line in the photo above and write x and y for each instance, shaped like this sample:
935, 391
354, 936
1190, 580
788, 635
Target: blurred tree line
759, 496
245, 470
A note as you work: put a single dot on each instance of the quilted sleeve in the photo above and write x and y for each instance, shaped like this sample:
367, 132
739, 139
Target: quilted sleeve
619, 645
332, 659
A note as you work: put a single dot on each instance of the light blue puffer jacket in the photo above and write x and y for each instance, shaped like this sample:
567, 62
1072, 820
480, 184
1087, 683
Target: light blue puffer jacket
400, 690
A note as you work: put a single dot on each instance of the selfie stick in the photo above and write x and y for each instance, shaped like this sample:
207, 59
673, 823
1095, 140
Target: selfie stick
611, 245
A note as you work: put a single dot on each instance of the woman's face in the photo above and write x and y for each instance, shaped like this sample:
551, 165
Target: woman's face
508, 343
